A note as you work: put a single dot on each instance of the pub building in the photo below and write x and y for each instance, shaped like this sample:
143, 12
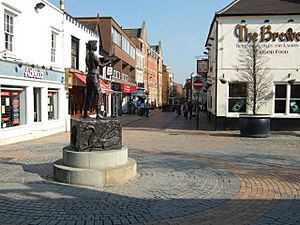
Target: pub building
275, 26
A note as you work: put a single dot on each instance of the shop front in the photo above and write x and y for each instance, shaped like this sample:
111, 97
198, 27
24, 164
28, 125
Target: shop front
32, 99
77, 94
127, 91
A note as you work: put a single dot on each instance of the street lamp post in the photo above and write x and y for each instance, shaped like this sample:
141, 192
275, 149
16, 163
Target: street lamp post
191, 91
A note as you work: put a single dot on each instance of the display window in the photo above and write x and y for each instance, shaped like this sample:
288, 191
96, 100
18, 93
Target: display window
52, 104
295, 99
237, 97
10, 108
285, 93
280, 98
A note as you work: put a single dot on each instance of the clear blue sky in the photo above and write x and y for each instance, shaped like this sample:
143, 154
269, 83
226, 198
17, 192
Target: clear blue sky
182, 26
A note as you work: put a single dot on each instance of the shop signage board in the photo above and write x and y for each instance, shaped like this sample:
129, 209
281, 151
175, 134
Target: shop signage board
126, 88
13, 69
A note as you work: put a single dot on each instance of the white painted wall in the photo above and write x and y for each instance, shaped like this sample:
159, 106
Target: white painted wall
32, 45
73, 28
33, 32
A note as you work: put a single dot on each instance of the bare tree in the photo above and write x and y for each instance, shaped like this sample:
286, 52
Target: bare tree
252, 70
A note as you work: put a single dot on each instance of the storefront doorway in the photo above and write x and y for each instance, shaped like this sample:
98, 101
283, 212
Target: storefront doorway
37, 104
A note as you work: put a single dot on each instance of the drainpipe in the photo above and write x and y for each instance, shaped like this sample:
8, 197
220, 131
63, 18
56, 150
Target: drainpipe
216, 77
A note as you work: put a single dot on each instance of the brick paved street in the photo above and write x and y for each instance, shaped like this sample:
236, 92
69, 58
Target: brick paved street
185, 176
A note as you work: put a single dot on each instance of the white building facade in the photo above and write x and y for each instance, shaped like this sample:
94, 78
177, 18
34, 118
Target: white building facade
33, 95
277, 32
35, 49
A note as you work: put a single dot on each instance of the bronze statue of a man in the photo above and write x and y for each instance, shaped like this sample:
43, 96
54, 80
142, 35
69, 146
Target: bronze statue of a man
93, 80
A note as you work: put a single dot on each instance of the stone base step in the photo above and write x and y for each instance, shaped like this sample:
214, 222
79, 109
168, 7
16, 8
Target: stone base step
95, 177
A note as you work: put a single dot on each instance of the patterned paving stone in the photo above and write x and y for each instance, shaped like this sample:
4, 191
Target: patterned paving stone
184, 177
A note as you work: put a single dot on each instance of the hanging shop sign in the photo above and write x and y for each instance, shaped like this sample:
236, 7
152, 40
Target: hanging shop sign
109, 70
198, 84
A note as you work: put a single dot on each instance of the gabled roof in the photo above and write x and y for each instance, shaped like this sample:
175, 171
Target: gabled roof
256, 8
261, 7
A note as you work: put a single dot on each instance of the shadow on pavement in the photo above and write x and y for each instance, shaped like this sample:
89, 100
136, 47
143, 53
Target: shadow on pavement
44, 202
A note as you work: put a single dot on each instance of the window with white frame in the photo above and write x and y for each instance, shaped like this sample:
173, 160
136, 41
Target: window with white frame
53, 46
125, 45
286, 93
13, 106
117, 74
237, 97
116, 37
9, 30
280, 98
124, 77
75, 53
132, 51
295, 99
52, 104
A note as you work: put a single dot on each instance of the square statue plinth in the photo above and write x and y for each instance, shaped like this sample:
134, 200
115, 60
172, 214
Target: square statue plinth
89, 134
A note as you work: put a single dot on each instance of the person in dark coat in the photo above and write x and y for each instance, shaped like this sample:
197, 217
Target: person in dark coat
178, 108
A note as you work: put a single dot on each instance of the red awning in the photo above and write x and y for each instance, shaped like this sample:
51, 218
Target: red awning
105, 86
79, 79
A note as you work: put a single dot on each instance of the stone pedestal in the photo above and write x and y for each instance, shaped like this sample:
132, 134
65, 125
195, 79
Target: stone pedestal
95, 156
95, 135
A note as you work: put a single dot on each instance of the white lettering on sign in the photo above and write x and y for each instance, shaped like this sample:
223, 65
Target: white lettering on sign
29, 72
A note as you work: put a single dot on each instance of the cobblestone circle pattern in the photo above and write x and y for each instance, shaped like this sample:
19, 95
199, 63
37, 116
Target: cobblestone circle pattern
165, 187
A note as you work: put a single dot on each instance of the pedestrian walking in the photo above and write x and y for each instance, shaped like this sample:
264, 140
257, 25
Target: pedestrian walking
178, 109
147, 108
185, 110
205, 107
190, 108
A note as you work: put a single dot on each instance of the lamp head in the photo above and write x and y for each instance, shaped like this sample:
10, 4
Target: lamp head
39, 5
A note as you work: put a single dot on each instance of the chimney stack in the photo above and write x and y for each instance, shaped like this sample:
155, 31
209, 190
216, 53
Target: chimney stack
62, 5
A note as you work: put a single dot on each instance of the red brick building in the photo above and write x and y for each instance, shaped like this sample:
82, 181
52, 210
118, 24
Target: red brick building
117, 44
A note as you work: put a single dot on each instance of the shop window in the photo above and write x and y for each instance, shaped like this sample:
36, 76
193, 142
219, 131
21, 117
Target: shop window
75, 53
280, 98
12, 107
237, 97
8, 30
295, 99
52, 104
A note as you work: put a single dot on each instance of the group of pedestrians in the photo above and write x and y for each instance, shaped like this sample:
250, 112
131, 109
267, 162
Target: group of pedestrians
141, 106
190, 108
